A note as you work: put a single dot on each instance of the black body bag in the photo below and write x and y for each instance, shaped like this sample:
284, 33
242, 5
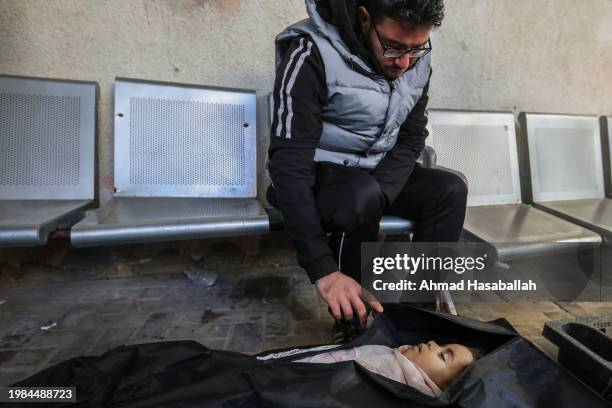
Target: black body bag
512, 373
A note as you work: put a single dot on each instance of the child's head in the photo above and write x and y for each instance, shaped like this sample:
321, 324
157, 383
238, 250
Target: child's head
440, 363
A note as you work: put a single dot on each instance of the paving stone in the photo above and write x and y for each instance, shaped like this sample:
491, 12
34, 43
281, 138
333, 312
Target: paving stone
547, 307
153, 294
27, 357
558, 314
26, 325
156, 306
28, 306
246, 338
7, 355
323, 311
226, 298
208, 331
6, 325
116, 306
577, 310
315, 328
112, 338
521, 318
213, 344
462, 308
232, 317
190, 316
202, 301
68, 353
80, 318
530, 329
14, 340
154, 328
56, 338
124, 294
132, 319
546, 346
303, 309
267, 287
276, 323
599, 308
482, 311
500, 308
12, 377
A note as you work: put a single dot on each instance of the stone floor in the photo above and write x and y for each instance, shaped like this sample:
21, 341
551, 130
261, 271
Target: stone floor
58, 303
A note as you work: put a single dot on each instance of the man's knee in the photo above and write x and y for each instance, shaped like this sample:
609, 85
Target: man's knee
455, 190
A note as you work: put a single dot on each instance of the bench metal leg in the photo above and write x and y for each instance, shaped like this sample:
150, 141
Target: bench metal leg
445, 302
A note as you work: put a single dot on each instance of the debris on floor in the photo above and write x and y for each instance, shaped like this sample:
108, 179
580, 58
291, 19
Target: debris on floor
201, 277
47, 327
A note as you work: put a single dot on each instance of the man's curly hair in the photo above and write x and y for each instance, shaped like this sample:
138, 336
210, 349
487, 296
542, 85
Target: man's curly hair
416, 12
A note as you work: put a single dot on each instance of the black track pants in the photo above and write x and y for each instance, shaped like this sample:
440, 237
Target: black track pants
351, 205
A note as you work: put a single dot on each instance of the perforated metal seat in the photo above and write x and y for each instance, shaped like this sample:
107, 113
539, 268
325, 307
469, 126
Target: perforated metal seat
565, 169
47, 144
482, 146
185, 167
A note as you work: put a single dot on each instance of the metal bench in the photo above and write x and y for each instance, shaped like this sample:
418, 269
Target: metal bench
185, 167
482, 145
47, 150
565, 169
606, 145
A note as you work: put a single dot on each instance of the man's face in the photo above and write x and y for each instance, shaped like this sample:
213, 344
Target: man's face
393, 34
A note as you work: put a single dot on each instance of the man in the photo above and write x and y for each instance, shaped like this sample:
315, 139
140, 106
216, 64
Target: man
349, 123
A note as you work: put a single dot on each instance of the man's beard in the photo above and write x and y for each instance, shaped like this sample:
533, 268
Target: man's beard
363, 38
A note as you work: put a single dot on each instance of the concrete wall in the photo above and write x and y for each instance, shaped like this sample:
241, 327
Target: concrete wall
545, 55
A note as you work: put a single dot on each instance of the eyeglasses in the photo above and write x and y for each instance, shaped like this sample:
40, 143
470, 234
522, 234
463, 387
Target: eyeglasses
391, 52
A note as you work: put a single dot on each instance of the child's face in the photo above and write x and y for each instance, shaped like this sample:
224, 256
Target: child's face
441, 363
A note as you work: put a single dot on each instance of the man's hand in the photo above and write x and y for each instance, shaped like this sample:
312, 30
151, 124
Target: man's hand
343, 295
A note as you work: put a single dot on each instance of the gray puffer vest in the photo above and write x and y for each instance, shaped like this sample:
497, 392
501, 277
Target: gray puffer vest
363, 111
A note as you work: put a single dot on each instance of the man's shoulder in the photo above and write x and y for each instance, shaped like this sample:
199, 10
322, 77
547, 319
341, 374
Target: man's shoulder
304, 49
304, 41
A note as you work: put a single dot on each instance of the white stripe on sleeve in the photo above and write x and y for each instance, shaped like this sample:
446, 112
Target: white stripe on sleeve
290, 86
279, 126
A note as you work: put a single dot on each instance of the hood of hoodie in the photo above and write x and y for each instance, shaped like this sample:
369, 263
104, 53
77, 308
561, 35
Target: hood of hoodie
342, 15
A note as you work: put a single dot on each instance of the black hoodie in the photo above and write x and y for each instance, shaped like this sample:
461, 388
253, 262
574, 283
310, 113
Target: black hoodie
343, 16
291, 164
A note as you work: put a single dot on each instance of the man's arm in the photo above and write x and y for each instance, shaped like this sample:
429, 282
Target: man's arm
394, 170
299, 92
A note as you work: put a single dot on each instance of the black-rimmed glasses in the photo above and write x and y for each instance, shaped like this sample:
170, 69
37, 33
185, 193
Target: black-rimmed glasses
391, 52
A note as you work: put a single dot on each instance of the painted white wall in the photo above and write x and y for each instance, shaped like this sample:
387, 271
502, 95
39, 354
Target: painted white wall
544, 55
